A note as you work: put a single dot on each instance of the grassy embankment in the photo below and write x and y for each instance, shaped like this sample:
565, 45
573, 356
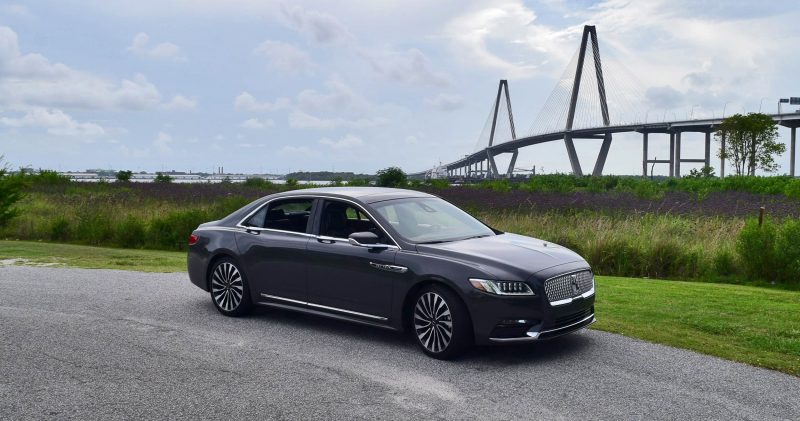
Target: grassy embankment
757, 326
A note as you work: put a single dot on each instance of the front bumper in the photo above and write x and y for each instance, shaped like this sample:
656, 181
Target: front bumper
534, 334
526, 319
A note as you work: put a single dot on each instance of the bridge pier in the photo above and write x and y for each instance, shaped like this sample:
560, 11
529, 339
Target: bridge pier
677, 155
644, 154
722, 157
601, 157
510, 172
573, 155
708, 149
672, 154
792, 150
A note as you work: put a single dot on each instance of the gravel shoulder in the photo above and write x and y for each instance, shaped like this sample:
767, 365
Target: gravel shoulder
105, 344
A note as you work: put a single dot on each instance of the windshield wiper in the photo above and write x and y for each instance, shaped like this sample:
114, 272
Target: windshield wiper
436, 242
476, 236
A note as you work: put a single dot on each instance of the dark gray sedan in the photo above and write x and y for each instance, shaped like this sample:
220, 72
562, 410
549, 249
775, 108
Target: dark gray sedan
392, 258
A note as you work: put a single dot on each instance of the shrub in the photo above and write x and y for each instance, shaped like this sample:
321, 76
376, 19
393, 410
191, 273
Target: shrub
787, 252
10, 194
292, 182
258, 182
756, 248
439, 183
60, 230
94, 226
725, 262
173, 230
792, 189
162, 178
130, 233
48, 178
391, 177
124, 176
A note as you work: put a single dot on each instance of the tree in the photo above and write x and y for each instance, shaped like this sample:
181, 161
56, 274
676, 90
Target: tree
391, 177
751, 142
705, 172
10, 193
124, 176
162, 178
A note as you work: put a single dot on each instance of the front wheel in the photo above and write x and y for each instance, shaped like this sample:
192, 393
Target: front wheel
229, 290
441, 323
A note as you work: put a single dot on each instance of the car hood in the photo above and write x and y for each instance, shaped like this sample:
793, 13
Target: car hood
505, 254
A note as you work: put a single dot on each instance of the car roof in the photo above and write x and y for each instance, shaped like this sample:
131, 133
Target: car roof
363, 194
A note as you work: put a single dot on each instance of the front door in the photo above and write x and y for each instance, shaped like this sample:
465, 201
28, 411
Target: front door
352, 279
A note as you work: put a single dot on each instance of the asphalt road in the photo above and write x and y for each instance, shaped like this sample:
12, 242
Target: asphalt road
100, 344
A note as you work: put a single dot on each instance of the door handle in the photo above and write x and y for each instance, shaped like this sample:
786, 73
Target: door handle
252, 231
326, 240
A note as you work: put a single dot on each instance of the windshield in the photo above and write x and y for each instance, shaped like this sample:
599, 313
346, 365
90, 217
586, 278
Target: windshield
430, 220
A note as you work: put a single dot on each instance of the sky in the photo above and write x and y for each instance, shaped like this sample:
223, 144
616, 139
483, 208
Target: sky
257, 86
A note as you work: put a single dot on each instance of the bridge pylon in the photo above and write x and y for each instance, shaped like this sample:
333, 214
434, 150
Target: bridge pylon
502, 93
589, 35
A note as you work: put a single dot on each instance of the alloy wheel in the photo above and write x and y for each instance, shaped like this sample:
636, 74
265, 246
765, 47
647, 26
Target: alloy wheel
433, 322
227, 287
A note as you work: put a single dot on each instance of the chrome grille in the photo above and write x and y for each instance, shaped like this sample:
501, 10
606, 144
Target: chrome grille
569, 285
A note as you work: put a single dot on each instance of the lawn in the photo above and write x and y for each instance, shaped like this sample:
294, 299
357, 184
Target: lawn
41, 253
753, 325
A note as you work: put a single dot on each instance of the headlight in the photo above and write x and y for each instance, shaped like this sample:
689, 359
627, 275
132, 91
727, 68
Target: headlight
502, 287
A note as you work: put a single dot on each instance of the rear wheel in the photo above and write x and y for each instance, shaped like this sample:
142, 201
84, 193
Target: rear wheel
440, 322
229, 290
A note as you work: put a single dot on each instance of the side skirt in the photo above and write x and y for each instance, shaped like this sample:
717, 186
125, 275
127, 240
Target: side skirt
325, 314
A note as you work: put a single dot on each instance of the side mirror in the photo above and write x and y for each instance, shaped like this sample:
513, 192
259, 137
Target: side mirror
364, 239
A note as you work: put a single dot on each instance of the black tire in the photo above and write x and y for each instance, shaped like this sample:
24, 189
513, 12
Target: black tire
430, 322
229, 290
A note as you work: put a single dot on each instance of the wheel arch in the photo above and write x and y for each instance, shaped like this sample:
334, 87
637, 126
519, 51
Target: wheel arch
221, 254
408, 300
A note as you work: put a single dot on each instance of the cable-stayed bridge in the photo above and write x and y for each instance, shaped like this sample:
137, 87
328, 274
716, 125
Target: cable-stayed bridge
592, 100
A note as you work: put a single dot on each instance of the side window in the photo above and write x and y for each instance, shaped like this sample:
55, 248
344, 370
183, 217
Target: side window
340, 219
285, 215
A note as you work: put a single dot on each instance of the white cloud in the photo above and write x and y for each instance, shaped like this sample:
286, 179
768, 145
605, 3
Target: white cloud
411, 67
347, 142
254, 123
295, 150
140, 45
286, 57
162, 143
445, 102
179, 102
339, 97
301, 120
31, 80
319, 27
519, 45
247, 102
55, 121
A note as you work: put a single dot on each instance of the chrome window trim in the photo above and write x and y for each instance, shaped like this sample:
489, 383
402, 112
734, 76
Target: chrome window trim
396, 245
305, 303
585, 295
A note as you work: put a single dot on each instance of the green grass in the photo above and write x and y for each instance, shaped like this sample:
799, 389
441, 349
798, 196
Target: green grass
756, 326
40, 253
753, 325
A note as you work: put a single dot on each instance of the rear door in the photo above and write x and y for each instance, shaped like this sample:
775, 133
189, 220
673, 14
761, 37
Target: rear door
348, 278
274, 249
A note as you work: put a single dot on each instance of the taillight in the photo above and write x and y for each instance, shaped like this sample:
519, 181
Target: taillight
193, 239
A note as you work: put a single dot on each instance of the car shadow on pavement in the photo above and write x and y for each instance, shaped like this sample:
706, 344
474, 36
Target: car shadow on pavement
506, 354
